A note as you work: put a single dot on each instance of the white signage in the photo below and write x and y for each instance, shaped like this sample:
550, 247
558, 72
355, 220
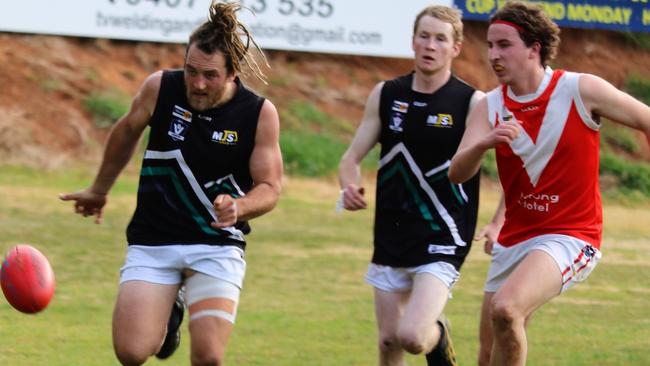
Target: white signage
362, 27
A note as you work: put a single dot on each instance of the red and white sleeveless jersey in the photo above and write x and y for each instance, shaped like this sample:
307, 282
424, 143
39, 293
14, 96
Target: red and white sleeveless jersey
549, 173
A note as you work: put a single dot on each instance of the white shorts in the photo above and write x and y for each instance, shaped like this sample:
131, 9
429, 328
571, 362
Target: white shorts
165, 264
575, 259
399, 279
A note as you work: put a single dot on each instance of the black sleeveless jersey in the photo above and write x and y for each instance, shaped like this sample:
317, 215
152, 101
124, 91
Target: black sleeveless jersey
421, 217
191, 158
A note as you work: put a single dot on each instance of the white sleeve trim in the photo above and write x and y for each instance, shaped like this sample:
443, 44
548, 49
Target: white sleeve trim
494, 104
573, 80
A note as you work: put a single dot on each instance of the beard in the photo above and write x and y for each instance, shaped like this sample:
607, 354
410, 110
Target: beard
199, 102
204, 100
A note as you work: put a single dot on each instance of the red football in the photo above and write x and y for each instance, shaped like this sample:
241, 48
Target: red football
27, 279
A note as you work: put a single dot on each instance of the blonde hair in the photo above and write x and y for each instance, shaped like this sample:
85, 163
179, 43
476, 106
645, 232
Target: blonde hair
446, 14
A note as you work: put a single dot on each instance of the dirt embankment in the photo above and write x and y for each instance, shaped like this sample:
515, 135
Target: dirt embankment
45, 79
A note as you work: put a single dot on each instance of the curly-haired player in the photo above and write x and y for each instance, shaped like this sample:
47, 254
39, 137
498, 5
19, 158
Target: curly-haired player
544, 125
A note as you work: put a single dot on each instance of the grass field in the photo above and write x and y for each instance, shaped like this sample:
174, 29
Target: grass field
304, 301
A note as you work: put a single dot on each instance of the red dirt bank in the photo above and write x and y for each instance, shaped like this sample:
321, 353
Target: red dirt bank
44, 80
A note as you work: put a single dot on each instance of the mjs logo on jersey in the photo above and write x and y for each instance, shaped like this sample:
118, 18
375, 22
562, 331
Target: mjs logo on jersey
440, 120
181, 119
226, 137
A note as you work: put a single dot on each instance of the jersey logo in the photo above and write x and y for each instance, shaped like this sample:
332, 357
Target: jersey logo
178, 129
401, 107
540, 202
396, 122
440, 120
441, 249
529, 108
225, 137
182, 113
181, 118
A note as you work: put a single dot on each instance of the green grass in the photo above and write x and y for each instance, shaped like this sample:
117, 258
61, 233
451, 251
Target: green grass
304, 300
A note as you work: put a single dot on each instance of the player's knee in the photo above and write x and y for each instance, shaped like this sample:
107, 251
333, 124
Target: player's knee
484, 356
388, 343
131, 351
131, 356
411, 341
207, 358
504, 314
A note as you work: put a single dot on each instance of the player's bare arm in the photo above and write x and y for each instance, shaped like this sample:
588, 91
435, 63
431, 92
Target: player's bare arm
473, 103
266, 171
491, 230
121, 143
603, 99
364, 139
479, 136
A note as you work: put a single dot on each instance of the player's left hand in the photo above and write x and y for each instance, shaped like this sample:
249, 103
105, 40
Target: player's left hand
490, 232
227, 212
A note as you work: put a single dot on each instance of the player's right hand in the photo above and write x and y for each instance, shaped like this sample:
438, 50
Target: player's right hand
353, 198
87, 203
504, 133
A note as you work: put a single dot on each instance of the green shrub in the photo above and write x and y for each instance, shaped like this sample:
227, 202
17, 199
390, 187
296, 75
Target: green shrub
302, 115
489, 165
313, 141
638, 87
631, 176
310, 154
315, 154
107, 107
641, 40
620, 137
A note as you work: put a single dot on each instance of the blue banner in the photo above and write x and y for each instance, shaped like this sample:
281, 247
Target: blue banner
624, 15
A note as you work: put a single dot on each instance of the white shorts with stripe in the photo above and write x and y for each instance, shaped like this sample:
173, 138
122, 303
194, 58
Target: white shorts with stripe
575, 259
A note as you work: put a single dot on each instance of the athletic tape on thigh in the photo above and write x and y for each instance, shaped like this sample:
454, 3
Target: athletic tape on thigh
200, 287
215, 313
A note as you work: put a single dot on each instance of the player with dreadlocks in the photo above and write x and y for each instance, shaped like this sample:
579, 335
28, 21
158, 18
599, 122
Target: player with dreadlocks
212, 163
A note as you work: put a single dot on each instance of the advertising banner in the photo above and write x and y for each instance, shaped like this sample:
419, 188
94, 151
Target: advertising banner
624, 15
361, 27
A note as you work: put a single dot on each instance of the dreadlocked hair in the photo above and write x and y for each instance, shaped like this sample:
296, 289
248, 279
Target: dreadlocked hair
225, 33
